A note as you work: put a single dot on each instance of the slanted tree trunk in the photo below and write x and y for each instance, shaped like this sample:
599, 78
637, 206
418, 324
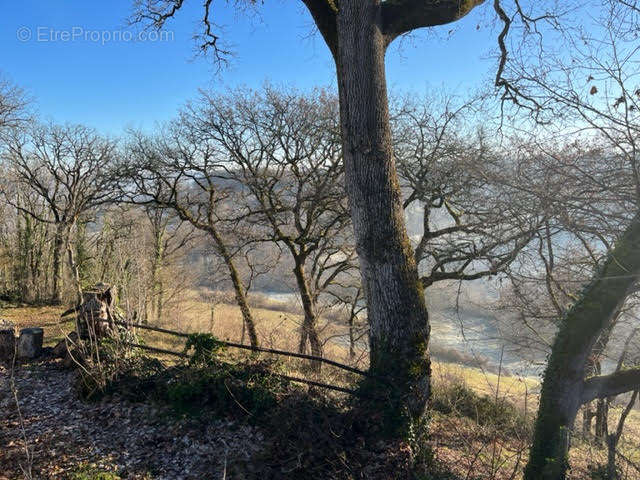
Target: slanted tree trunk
564, 388
397, 311
309, 330
241, 300
238, 287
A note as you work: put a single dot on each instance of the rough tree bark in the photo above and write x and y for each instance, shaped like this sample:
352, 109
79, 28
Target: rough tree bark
564, 388
396, 306
358, 32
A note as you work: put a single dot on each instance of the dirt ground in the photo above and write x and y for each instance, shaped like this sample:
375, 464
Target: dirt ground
55, 435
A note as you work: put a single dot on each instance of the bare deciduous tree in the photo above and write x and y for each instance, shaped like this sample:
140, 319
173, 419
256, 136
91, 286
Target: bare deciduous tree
590, 90
358, 32
284, 152
169, 237
473, 222
182, 171
69, 169
13, 105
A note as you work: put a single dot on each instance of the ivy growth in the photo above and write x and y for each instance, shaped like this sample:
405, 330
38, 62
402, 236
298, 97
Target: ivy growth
205, 347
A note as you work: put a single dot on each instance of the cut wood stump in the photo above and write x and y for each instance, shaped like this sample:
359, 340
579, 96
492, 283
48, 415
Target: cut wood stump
94, 314
96, 317
7, 340
30, 342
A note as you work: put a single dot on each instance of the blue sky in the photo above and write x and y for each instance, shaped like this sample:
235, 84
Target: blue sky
115, 84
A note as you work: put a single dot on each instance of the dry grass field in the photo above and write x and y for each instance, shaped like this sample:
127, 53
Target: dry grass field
277, 328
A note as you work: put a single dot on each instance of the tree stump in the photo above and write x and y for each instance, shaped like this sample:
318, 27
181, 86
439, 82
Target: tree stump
7, 340
95, 319
94, 315
30, 342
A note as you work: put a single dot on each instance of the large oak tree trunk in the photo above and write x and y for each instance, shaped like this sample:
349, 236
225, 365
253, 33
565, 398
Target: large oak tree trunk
396, 307
563, 388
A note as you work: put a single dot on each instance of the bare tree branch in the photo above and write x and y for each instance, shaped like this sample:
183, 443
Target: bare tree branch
610, 385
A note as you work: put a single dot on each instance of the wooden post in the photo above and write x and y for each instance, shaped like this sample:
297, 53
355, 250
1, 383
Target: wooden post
30, 342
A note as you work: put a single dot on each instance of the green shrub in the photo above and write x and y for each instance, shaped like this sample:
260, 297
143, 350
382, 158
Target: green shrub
205, 348
203, 386
90, 472
132, 376
221, 388
311, 434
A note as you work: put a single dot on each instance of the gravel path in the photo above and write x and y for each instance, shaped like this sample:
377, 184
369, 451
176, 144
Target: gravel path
138, 441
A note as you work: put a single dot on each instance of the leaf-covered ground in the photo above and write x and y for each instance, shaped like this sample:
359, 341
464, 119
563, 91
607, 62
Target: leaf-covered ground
65, 435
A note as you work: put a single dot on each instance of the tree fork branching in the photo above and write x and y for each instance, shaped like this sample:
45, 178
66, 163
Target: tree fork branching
324, 16
402, 16
603, 386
